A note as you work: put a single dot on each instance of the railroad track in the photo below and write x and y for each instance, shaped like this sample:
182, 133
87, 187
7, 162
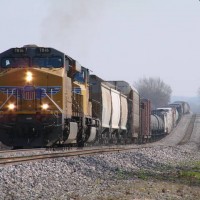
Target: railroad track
189, 131
20, 150
69, 153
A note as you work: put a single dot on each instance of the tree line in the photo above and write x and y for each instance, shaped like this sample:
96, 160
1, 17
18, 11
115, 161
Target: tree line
154, 89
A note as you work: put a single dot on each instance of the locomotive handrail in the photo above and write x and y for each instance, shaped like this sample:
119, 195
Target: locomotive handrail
7, 99
53, 102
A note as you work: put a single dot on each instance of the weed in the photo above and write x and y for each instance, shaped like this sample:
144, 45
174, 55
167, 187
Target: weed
142, 174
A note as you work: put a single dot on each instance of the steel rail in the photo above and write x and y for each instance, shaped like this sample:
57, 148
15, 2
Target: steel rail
20, 150
50, 155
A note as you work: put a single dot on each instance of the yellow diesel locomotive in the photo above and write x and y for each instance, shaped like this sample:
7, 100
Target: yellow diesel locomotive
44, 99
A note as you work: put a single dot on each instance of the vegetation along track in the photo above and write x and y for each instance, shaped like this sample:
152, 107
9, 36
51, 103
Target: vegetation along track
188, 132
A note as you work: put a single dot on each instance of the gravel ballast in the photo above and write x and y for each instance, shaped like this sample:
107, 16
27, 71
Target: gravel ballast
90, 177
147, 173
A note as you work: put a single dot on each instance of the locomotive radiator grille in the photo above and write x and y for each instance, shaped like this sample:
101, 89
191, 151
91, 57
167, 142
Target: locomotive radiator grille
29, 95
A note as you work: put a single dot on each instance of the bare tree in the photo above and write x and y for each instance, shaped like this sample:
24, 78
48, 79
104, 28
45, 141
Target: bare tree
154, 89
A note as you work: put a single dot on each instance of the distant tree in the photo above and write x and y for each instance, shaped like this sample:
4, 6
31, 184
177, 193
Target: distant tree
154, 89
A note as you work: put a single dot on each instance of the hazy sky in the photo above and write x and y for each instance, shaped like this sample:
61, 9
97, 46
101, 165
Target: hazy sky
116, 39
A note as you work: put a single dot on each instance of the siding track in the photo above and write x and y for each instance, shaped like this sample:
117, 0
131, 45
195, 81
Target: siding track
189, 131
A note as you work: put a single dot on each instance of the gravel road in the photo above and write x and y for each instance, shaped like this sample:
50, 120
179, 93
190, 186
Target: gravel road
159, 172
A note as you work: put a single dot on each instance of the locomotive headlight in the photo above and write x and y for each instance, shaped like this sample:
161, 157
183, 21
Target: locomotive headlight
45, 106
29, 76
11, 106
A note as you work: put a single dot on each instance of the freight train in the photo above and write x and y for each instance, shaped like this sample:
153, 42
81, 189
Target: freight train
47, 98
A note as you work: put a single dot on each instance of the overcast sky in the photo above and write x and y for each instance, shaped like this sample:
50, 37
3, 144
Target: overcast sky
116, 39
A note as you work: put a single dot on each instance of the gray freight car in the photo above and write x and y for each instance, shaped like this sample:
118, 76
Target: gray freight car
132, 94
185, 106
111, 107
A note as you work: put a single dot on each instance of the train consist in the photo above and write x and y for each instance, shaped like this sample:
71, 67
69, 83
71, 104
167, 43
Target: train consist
47, 98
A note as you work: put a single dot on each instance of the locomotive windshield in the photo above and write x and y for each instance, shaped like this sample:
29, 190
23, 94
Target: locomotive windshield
17, 62
14, 62
48, 62
31, 56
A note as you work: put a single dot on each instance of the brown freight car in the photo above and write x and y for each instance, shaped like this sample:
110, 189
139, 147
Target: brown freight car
145, 120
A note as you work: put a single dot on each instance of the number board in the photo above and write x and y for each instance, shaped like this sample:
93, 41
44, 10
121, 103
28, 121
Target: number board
19, 50
43, 50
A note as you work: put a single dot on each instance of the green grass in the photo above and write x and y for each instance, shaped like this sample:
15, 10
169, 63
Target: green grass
185, 173
191, 172
143, 175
